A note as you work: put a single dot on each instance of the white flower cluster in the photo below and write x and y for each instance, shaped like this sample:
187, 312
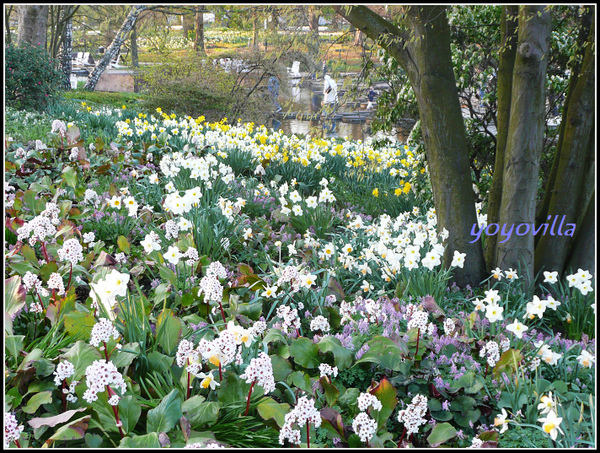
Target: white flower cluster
71, 251
305, 411
449, 327
413, 415
201, 445
261, 370
229, 209
258, 328
100, 374
60, 127
90, 196
37, 229
102, 331
291, 275
366, 400
9, 198
12, 429
211, 288
216, 269
326, 370
492, 350
289, 316
178, 204
151, 242
56, 282
107, 289
171, 229
320, 323
364, 426
418, 320
582, 280
31, 281
74, 154
547, 354
64, 370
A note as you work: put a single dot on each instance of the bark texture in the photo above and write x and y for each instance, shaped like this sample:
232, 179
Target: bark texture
506, 64
424, 53
525, 139
573, 162
199, 38
32, 24
114, 48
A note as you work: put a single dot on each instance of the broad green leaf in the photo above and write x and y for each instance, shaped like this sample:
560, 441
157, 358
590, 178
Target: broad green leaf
332, 422
159, 362
123, 244
281, 368
470, 382
69, 174
305, 352
441, 433
146, 441
168, 275
79, 324
342, 356
252, 311
508, 363
14, 344
164, 416
385, 352
36, 401
129, 412
387, 394
190, 405
29, 254
269, 408
301, 380
274, 335
207, 412
465, 419
15, 293
168, 330
331, 391
73, 430
81, 355
349, 397
124, 356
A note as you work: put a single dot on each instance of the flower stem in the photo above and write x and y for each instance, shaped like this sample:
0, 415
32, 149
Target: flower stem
222, 312
116, 412
402, 437
220, 373
188, 386
70, 275
249, 394
64, 401
418, 337
17, 443
307, 434
105, 351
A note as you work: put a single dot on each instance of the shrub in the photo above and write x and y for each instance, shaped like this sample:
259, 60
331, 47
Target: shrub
32, 79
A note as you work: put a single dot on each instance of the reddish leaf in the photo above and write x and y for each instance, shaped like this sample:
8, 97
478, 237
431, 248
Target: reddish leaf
53, 421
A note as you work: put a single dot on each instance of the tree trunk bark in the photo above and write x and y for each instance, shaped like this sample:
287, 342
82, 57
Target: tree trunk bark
66, 61
425, 55
313, 30
7, 10
32, 24
114, 48
135, 60
255, 28
508, 51
199, 41
582, 253
525, 140
568, 188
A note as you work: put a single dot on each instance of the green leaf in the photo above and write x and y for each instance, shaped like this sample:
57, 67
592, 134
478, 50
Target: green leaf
281, 368
331, 420
79, 324
69, 174
385, 352
252, 311
81, 355
190, 406
14, 293
274, 335
124, 356
508, 363
168, 275
349, 397
48, 269
331, 391
207, 412
159, 362
124, 245
164, 416
301, 380
14, 344
342, 356
465, 419
130, 411
29, 254
305, 352
387, 394
93, 440
36, 401
441, 433
168, 330
73, 430
269, 408
470, 382
146, 441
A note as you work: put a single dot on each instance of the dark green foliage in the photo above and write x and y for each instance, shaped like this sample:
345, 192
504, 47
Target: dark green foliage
31, 79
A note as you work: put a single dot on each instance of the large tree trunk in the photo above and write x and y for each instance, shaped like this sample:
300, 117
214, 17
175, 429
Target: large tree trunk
582, 253
508, 51
426, 57
525, 139
552, 251
32, 24
199, 41
114, 48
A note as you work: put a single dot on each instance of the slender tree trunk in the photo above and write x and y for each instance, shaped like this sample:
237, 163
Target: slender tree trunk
313, 30
424, 53
255, 28
32, 24
199, 41
135, 61
66, 61
508, 51
7, 10
114, 48
552, 251
525, 139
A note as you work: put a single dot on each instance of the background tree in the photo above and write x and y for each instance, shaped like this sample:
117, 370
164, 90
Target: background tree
32, 24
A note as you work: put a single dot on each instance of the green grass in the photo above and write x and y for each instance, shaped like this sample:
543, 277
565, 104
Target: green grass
105, 98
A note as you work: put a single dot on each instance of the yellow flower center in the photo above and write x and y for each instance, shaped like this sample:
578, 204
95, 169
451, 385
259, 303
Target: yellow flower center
548, 426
